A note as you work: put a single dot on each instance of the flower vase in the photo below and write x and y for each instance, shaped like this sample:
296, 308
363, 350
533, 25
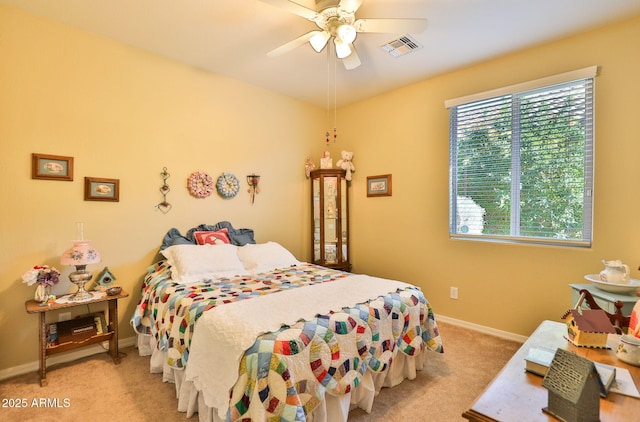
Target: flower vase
42, 293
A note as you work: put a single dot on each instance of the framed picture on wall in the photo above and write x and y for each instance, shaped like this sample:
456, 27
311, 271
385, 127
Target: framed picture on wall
51, 167
99, 189
379, 185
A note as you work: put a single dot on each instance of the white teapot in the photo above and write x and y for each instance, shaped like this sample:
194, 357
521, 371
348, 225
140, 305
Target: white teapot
615, 272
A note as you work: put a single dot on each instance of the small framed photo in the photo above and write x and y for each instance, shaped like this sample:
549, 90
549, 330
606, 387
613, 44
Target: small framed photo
98, 189
51, 167
379, 185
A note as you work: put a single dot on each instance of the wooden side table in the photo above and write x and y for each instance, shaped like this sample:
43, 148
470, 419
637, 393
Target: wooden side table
111, 335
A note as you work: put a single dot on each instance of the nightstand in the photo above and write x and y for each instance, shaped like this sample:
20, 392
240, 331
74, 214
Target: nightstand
604, 299
111, 333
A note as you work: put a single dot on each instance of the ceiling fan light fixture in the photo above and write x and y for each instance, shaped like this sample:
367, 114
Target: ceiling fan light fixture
319, 40
342, 49
347, 33
337, 19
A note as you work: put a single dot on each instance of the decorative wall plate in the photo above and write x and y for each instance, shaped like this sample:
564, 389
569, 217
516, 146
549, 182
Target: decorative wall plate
228, 185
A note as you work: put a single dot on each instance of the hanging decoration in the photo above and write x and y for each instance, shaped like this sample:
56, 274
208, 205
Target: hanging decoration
253, 180
328, 136
200, 184
164, 206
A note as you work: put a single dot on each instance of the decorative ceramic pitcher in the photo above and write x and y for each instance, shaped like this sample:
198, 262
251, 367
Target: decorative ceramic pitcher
615, 272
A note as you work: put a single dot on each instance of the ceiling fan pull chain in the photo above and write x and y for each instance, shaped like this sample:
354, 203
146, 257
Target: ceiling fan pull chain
327, 136
328, 86
335, 101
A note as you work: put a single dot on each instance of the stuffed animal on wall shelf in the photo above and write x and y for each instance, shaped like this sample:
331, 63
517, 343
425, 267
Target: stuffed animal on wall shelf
346, 163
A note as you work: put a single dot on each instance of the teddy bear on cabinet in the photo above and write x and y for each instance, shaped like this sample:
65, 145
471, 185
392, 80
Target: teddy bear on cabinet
345, 163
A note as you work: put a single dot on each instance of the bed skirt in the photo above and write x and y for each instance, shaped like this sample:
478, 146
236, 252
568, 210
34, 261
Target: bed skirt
332, 408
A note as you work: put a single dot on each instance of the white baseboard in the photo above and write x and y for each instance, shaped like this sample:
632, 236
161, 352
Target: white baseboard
132, 341
483, 329
63, 358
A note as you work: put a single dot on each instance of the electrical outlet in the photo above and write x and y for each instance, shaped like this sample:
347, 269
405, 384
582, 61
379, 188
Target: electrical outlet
64, 316
453, 293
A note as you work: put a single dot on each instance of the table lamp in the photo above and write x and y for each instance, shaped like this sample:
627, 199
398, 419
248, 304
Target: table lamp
80, 254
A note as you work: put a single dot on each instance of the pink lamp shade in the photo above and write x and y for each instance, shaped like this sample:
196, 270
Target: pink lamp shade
81, 253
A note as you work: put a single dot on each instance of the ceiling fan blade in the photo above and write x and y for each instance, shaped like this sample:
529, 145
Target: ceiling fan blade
291, 45
350, 6
294, 8
352, 60
396, 26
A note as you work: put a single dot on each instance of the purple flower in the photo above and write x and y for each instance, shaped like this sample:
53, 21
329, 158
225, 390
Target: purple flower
42, 274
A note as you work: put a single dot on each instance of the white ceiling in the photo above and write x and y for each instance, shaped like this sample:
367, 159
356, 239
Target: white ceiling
232, 37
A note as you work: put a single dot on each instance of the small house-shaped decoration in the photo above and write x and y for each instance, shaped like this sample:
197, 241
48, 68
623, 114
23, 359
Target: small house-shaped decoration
574, 388
588, 327
105, 279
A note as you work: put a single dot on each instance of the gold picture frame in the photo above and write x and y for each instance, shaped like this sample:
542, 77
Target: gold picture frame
51, 167
379, 185
100, 189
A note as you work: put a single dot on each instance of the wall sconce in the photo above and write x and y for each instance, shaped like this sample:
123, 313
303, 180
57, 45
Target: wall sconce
253, 180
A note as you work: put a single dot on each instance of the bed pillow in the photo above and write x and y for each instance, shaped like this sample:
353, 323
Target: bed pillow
212, 238
264, 257
238, 237
173, 237
191, 263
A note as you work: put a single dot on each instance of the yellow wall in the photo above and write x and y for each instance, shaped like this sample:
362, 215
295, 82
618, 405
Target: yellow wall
508, 287
123, 113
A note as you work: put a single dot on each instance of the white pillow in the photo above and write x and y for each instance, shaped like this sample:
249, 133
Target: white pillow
191, 263
264, 257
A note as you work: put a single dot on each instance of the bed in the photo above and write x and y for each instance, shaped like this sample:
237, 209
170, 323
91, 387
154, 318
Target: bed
248, 332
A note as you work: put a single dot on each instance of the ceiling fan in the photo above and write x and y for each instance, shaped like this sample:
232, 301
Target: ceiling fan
337, 20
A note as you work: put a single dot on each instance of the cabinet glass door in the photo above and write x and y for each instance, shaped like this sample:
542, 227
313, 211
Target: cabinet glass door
330, 218
343, 217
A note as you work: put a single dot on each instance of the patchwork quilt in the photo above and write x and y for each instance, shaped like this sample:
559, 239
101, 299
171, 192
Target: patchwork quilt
287, 372
168, 310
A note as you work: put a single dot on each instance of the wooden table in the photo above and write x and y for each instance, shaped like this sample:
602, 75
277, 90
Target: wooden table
517, 395
111, 335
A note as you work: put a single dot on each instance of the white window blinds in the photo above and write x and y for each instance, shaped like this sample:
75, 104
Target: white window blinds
521, 162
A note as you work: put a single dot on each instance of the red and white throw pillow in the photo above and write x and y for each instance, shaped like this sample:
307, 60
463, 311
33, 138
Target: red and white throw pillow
218, 237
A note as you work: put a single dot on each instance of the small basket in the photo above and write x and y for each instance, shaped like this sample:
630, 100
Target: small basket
114, 290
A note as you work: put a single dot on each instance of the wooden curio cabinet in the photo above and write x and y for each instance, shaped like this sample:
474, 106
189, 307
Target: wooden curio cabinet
330, 219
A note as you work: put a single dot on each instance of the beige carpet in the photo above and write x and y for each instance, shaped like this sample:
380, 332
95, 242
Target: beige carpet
94, 389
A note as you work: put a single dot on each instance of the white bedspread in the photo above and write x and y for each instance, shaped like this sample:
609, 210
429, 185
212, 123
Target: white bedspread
223, 333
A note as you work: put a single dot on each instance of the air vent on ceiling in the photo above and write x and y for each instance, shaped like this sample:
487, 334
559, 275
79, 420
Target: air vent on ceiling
401, 46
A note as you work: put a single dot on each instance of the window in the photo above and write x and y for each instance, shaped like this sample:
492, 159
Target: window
521, 162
